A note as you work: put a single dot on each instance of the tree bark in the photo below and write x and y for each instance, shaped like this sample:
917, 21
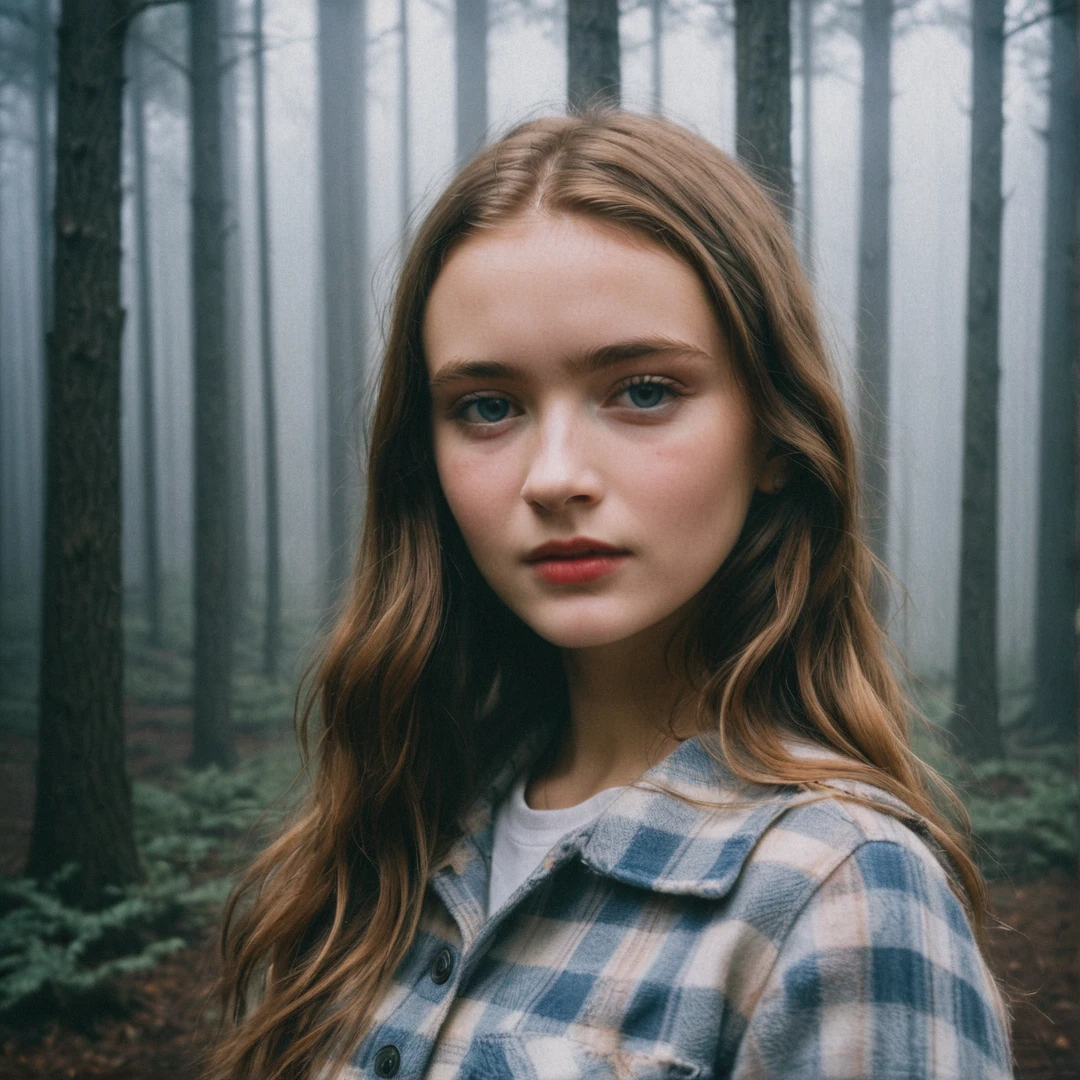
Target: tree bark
230, 53
976, 723
763, 93
343, 160
872, 348
1056, 595
272, 626
471, 68
148, 434
82, 811
212, 736
592, 53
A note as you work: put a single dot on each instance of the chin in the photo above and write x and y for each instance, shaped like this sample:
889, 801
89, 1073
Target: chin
587, 630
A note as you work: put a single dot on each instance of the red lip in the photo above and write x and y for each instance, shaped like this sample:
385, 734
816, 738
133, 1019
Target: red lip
572, 549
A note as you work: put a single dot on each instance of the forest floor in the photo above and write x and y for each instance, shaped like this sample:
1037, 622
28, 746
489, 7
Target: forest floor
168, 1017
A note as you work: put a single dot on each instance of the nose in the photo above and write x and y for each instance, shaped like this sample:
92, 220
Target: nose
560, 471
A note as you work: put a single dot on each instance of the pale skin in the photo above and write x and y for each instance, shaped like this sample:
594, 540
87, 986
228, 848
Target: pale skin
582, 387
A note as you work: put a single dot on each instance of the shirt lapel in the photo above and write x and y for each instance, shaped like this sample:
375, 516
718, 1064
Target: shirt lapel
687, 826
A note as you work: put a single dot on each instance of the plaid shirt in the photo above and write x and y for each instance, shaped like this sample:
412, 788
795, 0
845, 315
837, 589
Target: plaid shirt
781, 936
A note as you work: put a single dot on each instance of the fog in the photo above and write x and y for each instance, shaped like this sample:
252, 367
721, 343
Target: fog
931, 80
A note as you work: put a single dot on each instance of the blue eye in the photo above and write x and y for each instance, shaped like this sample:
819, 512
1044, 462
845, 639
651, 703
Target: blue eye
490, 410
648, 393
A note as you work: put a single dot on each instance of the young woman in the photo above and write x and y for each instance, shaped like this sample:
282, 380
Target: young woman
613, 776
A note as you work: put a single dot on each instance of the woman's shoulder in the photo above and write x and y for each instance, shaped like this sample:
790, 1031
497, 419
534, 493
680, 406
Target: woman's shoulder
867, 931
690, 825
821, 827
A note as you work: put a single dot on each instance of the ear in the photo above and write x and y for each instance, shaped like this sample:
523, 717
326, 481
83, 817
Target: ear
774, 474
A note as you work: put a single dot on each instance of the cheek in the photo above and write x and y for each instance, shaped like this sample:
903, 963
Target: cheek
478, 489
697, 491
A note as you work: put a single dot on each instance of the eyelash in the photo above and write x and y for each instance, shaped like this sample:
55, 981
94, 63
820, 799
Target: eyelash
650, 380
458, 410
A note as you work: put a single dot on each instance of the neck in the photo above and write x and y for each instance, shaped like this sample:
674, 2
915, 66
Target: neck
629, 708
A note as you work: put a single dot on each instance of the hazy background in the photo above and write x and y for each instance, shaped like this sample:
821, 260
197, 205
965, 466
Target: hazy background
931, 78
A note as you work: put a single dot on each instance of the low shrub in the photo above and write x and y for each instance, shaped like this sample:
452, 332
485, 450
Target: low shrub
1024, 813
61, 962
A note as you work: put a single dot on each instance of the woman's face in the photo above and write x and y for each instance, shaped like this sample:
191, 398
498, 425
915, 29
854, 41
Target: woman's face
590, 436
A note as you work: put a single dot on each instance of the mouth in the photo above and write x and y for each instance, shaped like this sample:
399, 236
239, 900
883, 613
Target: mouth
580, 547
574, 562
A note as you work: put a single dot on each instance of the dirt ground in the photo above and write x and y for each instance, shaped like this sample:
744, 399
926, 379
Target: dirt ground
1036, 951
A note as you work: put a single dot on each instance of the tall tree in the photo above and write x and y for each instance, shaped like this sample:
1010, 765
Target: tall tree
19, 49
148, 433
404, 121
343, 167
471, 75
763, 93
872, 321
82, 810
1056, 594
272, 626
212, 736
231, 50
592, 53
976, 724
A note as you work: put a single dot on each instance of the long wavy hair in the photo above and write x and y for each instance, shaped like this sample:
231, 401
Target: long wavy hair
427, 675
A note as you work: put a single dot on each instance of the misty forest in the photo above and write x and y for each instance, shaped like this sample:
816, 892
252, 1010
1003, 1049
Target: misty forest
203, 206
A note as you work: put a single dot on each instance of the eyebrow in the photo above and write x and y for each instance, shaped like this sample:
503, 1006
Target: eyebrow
589, 363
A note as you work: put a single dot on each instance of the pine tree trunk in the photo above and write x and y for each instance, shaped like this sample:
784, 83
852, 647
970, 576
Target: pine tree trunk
471, 72
872, 347
82, 811
231, 51
272, 627
343, 160
976, 723
1056, 594
212, 741
148, 434
592, 53
763, 93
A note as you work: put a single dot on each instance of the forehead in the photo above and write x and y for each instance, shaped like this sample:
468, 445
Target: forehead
546, 286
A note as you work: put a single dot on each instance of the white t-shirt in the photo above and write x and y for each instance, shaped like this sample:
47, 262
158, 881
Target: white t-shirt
523, 836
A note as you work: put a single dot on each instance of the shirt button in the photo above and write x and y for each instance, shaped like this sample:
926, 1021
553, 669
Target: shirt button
387, 1061
442, 966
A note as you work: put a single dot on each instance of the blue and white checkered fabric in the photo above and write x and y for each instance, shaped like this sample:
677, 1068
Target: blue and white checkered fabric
779, 936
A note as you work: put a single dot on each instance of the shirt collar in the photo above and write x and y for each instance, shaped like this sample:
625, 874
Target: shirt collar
686, 826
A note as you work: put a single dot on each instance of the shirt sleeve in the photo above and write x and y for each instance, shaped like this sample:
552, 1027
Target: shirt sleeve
879, 978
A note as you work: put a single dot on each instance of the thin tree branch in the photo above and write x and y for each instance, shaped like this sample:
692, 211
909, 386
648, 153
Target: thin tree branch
160, 53
1053, 13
